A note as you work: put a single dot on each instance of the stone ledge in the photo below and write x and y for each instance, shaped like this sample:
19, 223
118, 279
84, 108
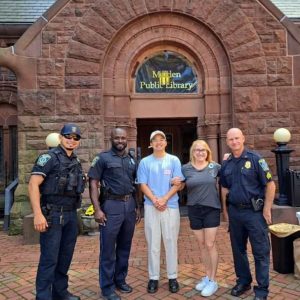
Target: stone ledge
30, 236
284, 214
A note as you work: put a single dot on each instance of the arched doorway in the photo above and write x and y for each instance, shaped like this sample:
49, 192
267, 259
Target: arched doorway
8, 144
180, 133
209, 108
8, 132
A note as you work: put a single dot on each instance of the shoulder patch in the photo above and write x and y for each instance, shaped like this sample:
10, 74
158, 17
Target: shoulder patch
95, 161
263, 164
43, 159
210, 165
269, 176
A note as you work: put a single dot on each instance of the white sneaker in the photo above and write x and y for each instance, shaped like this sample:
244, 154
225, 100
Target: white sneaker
210, 288
201, 284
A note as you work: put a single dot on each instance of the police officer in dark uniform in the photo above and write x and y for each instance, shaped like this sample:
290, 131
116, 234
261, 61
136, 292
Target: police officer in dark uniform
115, 172
55, 188
248, 186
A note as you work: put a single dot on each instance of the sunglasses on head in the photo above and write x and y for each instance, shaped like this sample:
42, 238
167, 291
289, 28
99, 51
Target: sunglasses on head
70, 137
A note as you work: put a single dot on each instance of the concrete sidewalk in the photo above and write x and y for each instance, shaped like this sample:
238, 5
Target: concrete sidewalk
18, 263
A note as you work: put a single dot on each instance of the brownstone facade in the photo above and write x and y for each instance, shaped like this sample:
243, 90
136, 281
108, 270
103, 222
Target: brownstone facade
78, 63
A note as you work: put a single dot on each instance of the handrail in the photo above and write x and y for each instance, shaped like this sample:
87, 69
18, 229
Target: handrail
9, 199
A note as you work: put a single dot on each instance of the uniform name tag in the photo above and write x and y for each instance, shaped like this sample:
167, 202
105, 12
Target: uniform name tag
167, 172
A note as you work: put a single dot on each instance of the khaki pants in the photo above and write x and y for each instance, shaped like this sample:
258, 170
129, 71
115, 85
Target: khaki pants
165, 224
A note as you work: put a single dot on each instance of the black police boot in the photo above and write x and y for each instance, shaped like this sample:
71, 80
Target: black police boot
173, 285
70, 296
240, 289
152, 286
124, 288
112, 296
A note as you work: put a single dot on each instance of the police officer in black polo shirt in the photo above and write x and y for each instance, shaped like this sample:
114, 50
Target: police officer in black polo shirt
55, 188
248, 186
115, 172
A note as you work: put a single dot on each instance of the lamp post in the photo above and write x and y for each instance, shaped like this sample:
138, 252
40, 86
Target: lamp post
282, 136
52, 140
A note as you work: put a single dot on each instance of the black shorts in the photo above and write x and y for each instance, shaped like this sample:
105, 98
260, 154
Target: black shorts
203, 217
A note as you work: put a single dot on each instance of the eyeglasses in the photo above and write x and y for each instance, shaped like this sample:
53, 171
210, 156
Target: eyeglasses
157, 141
200, 150
70, 137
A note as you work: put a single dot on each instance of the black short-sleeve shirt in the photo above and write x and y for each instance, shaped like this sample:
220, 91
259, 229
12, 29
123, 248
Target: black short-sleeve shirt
117, 172
48, 165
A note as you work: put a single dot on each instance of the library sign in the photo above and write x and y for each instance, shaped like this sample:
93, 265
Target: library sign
166, 73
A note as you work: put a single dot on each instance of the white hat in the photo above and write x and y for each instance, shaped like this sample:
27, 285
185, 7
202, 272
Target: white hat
156, 132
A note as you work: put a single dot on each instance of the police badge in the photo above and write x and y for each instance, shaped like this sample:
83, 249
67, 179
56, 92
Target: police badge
248, 164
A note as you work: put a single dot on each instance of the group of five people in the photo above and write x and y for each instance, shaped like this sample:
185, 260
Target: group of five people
57, 182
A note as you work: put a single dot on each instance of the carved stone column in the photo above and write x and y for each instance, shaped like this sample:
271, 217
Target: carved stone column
212, 131
208, 130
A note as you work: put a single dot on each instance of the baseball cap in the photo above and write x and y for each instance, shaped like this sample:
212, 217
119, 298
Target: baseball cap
156, 132
70, 128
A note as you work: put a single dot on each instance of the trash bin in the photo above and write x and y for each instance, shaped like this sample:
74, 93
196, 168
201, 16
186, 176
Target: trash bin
282, 237
293, 187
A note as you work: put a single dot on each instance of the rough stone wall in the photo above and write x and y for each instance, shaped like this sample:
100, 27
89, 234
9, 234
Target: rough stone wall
74, 48
274, 100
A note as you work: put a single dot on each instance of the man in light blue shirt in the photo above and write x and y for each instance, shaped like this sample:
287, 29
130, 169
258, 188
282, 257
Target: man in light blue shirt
159, 176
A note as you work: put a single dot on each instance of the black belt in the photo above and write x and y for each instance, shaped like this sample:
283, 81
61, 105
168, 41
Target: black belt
241, 205
54, 207
124, 198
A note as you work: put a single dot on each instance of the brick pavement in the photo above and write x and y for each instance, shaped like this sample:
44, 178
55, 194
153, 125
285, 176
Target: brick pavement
18, 264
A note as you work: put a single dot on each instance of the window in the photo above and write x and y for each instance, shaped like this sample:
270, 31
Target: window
166, 72
1, 157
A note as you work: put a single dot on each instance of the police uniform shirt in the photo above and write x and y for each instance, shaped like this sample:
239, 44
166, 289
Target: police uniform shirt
245, 177
117, 172
48, 164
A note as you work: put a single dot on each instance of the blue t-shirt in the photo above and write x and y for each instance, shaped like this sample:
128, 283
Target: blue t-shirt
157, 173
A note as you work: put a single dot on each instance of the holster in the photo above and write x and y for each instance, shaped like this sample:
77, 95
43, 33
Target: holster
103, 194
257, 204
46, 211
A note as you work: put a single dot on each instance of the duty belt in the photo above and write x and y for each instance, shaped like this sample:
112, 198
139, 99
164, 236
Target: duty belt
242, 205
124, 198
54, 207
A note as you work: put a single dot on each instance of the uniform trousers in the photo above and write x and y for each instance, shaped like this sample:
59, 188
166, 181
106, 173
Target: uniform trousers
163, 224
115, 243
57, 247
244, 224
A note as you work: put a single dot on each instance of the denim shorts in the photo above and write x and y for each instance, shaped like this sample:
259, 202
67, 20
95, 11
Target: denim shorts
203, 217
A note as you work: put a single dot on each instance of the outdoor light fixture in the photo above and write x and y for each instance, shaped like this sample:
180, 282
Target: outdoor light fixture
282, 136
52, 140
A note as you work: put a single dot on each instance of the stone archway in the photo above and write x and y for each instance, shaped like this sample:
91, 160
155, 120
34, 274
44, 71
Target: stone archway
8, 128
113, 36
186, 36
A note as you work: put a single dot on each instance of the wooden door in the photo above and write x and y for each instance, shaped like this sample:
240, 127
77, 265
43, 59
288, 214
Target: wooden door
180, 134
